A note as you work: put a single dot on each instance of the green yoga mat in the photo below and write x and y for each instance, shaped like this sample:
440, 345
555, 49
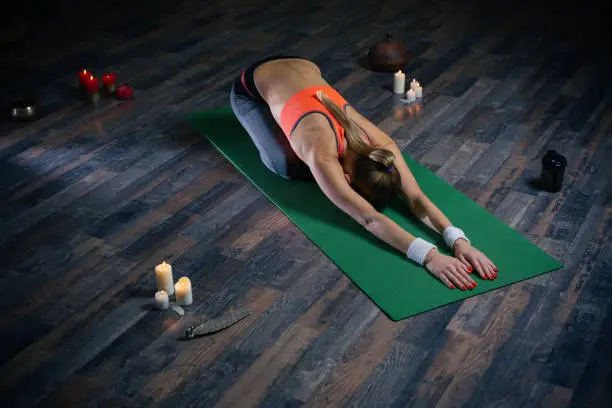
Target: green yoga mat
398, 286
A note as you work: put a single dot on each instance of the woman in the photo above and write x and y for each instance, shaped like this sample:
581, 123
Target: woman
303, 128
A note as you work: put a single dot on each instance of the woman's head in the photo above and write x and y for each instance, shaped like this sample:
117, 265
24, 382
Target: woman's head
375, 177
373, 172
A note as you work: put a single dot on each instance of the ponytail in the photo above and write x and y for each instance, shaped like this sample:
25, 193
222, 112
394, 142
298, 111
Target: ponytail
353, 134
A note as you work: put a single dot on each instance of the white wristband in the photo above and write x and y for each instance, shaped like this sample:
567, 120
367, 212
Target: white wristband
451, 234
418, 250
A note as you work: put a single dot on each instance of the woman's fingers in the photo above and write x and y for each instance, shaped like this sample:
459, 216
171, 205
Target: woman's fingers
466, 268
488, 270
465, 273
480, 263
485, 270
464, 279
465, 262
455, 272
494, 269
469, 278
455, 280
491, 270
447, 281
481, 269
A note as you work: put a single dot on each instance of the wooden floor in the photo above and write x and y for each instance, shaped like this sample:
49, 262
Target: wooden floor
93, 197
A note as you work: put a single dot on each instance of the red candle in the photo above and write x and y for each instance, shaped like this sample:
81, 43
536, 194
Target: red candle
124, 92
109, 79
91, 84
83, 76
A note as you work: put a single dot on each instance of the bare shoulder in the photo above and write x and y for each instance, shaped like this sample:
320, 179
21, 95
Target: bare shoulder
313, 139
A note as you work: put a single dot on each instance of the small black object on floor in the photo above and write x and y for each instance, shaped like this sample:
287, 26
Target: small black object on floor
553, 171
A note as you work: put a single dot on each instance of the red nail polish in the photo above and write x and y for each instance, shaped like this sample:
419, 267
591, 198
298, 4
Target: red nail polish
462, 287
485, 277
474, 284
470, 269
452, 287
495, 269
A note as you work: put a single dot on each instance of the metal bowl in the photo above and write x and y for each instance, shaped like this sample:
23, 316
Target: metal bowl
23, 110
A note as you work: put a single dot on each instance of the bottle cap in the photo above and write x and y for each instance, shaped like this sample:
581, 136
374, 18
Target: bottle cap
553, 158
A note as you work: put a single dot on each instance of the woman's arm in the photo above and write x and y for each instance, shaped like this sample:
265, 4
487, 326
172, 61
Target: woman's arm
417, 201
322, 158
420, 205
329, 175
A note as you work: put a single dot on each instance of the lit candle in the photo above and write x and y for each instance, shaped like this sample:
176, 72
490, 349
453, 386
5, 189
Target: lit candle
162, 301
182, 289
91, 88
91, 84
163, 273
411, 95
418, 91
414, 84
109, 82
83, 76
399, 82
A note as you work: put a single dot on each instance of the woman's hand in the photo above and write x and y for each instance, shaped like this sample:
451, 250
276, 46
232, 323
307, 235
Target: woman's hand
471, 257
451, 271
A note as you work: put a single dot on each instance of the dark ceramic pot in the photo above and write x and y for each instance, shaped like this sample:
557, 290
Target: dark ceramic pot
388, 55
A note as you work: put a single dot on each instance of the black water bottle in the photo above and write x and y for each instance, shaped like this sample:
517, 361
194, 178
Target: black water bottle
553, 170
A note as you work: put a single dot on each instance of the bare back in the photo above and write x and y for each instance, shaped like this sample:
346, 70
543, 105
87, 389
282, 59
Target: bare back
277, 81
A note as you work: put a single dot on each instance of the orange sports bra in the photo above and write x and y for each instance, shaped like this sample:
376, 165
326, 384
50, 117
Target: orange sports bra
304, 103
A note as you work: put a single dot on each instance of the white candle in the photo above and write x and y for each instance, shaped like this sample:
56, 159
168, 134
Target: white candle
163, 273
162, 301
411, 95
399, 82
182, 289
418, 91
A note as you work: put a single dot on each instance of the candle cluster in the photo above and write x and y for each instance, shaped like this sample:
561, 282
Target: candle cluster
90, 86
166, 287
399, 86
